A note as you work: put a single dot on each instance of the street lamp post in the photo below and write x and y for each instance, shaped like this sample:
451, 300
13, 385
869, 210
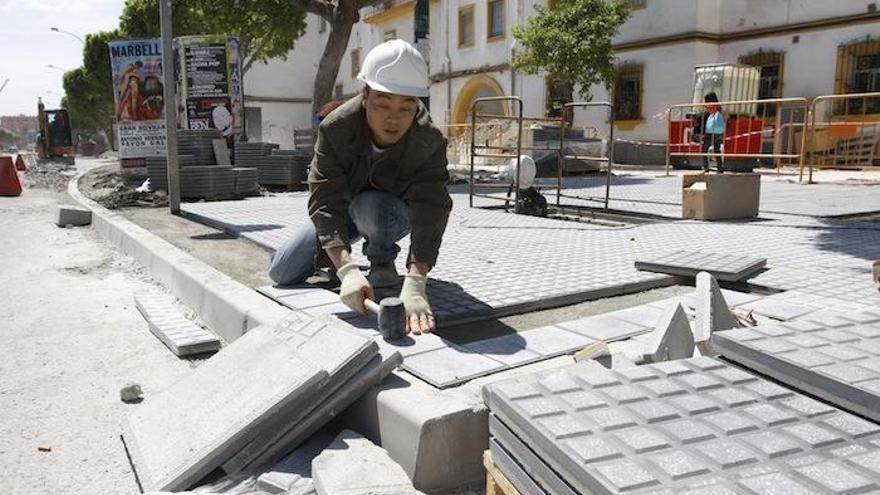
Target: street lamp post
55, 29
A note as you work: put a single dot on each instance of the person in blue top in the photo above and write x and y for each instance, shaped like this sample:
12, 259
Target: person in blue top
713, 131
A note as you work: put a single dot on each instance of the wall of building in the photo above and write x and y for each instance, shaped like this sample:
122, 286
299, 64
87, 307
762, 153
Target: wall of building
740, 15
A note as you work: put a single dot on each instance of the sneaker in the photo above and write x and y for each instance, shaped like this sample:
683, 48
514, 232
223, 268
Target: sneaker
383, 275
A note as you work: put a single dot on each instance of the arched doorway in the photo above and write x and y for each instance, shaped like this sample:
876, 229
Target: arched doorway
478, 87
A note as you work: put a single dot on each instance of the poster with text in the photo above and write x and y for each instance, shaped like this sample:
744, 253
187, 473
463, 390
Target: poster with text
210, 83
136, 67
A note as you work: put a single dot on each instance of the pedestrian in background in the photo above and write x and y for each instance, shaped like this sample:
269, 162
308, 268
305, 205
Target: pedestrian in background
714, 126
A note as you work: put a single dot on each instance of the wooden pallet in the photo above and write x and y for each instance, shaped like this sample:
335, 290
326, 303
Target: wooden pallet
496, 482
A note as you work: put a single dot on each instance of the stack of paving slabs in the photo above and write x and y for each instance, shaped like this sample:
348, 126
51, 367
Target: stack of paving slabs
690, 426
169, 324
253, 402
834, 356
246, 180
197, 147
288, 168
727, 267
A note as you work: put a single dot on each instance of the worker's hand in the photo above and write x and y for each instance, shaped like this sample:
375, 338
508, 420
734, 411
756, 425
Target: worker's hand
419, 317
354, 287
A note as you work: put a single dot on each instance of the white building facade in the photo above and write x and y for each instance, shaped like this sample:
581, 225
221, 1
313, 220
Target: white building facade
804, 48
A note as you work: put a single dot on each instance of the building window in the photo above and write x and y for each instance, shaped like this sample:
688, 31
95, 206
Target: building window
355, 62
551, 4
495, 20
628, 92
772, 67
638, 4
858, 71
466, 26
558, 94
391, 34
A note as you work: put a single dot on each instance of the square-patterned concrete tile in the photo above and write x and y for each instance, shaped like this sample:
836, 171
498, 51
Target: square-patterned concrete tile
725, 267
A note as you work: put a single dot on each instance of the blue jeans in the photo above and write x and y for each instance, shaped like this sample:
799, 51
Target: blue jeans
380, 218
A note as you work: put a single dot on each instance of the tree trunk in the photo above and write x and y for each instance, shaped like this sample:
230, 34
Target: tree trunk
328, 68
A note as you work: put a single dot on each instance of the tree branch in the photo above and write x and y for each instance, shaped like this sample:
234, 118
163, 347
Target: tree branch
253, 54
320, 8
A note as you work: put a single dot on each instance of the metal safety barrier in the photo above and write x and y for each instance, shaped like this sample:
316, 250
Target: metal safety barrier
779, 121
844, 132
605, 156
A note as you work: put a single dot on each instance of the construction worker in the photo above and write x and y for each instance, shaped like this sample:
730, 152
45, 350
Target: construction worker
379, 172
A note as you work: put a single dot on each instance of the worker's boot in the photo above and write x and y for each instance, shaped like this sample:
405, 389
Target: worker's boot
383, 275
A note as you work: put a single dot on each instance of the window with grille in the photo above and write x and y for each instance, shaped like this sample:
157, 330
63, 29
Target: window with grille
495, 19
772, 67
466, 26
628, 93
558, 94
638, 4
858, 71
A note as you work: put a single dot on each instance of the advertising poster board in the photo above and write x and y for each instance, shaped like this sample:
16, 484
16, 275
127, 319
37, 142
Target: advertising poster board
136, 66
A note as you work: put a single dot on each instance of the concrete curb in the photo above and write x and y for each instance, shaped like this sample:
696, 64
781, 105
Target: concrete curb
228, 307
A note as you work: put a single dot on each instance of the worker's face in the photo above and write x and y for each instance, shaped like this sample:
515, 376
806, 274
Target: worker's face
389, 116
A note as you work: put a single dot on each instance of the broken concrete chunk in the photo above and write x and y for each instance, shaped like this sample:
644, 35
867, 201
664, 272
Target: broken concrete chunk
713, 314
671, 339
131, 393
73, 215
353, 465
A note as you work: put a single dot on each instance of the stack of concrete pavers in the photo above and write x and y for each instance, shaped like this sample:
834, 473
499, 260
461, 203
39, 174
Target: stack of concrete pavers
353, 465
253, 402
696, 425
725, 267
168, 323
200, 175
276, 167
835, 356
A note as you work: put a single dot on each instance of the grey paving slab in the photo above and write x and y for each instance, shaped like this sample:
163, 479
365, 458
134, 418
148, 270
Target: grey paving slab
270, 447
513, 471
778, 308
605, 328
840, 364
169, 324
525, 457
450, 366
183, 433
722, 266
743, 434
294, 472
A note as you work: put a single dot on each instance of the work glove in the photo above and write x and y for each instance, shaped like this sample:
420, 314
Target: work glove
354, 287
419, 317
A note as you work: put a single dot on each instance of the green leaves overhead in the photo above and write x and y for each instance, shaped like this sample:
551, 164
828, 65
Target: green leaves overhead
572, 42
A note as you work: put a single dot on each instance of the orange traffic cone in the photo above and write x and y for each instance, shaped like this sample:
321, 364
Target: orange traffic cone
9, 183
20, 163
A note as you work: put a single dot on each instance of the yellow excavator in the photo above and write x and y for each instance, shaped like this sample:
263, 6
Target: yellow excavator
54, 143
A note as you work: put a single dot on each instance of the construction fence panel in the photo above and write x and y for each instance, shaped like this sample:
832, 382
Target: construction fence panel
583, 150
767, 132
844, 132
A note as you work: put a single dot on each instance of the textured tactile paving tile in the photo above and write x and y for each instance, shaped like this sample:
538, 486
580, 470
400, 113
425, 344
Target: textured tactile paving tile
168, 323
840, 363
722, 266
267, 378
756, 436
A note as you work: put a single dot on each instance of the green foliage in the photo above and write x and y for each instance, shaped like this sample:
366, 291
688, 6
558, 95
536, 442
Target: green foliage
89, 89
572, 43
266, 28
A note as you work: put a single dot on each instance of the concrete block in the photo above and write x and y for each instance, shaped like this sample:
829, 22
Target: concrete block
725, 267
671, 339
841, 364
353, 465
188, 430
713, 314
639, 438
168, 323
73, 215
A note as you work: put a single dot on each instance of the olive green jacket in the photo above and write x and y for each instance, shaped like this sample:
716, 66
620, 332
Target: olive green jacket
413, 169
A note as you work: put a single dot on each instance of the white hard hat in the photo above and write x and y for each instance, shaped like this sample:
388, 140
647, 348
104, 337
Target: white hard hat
396, 67
528, 171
